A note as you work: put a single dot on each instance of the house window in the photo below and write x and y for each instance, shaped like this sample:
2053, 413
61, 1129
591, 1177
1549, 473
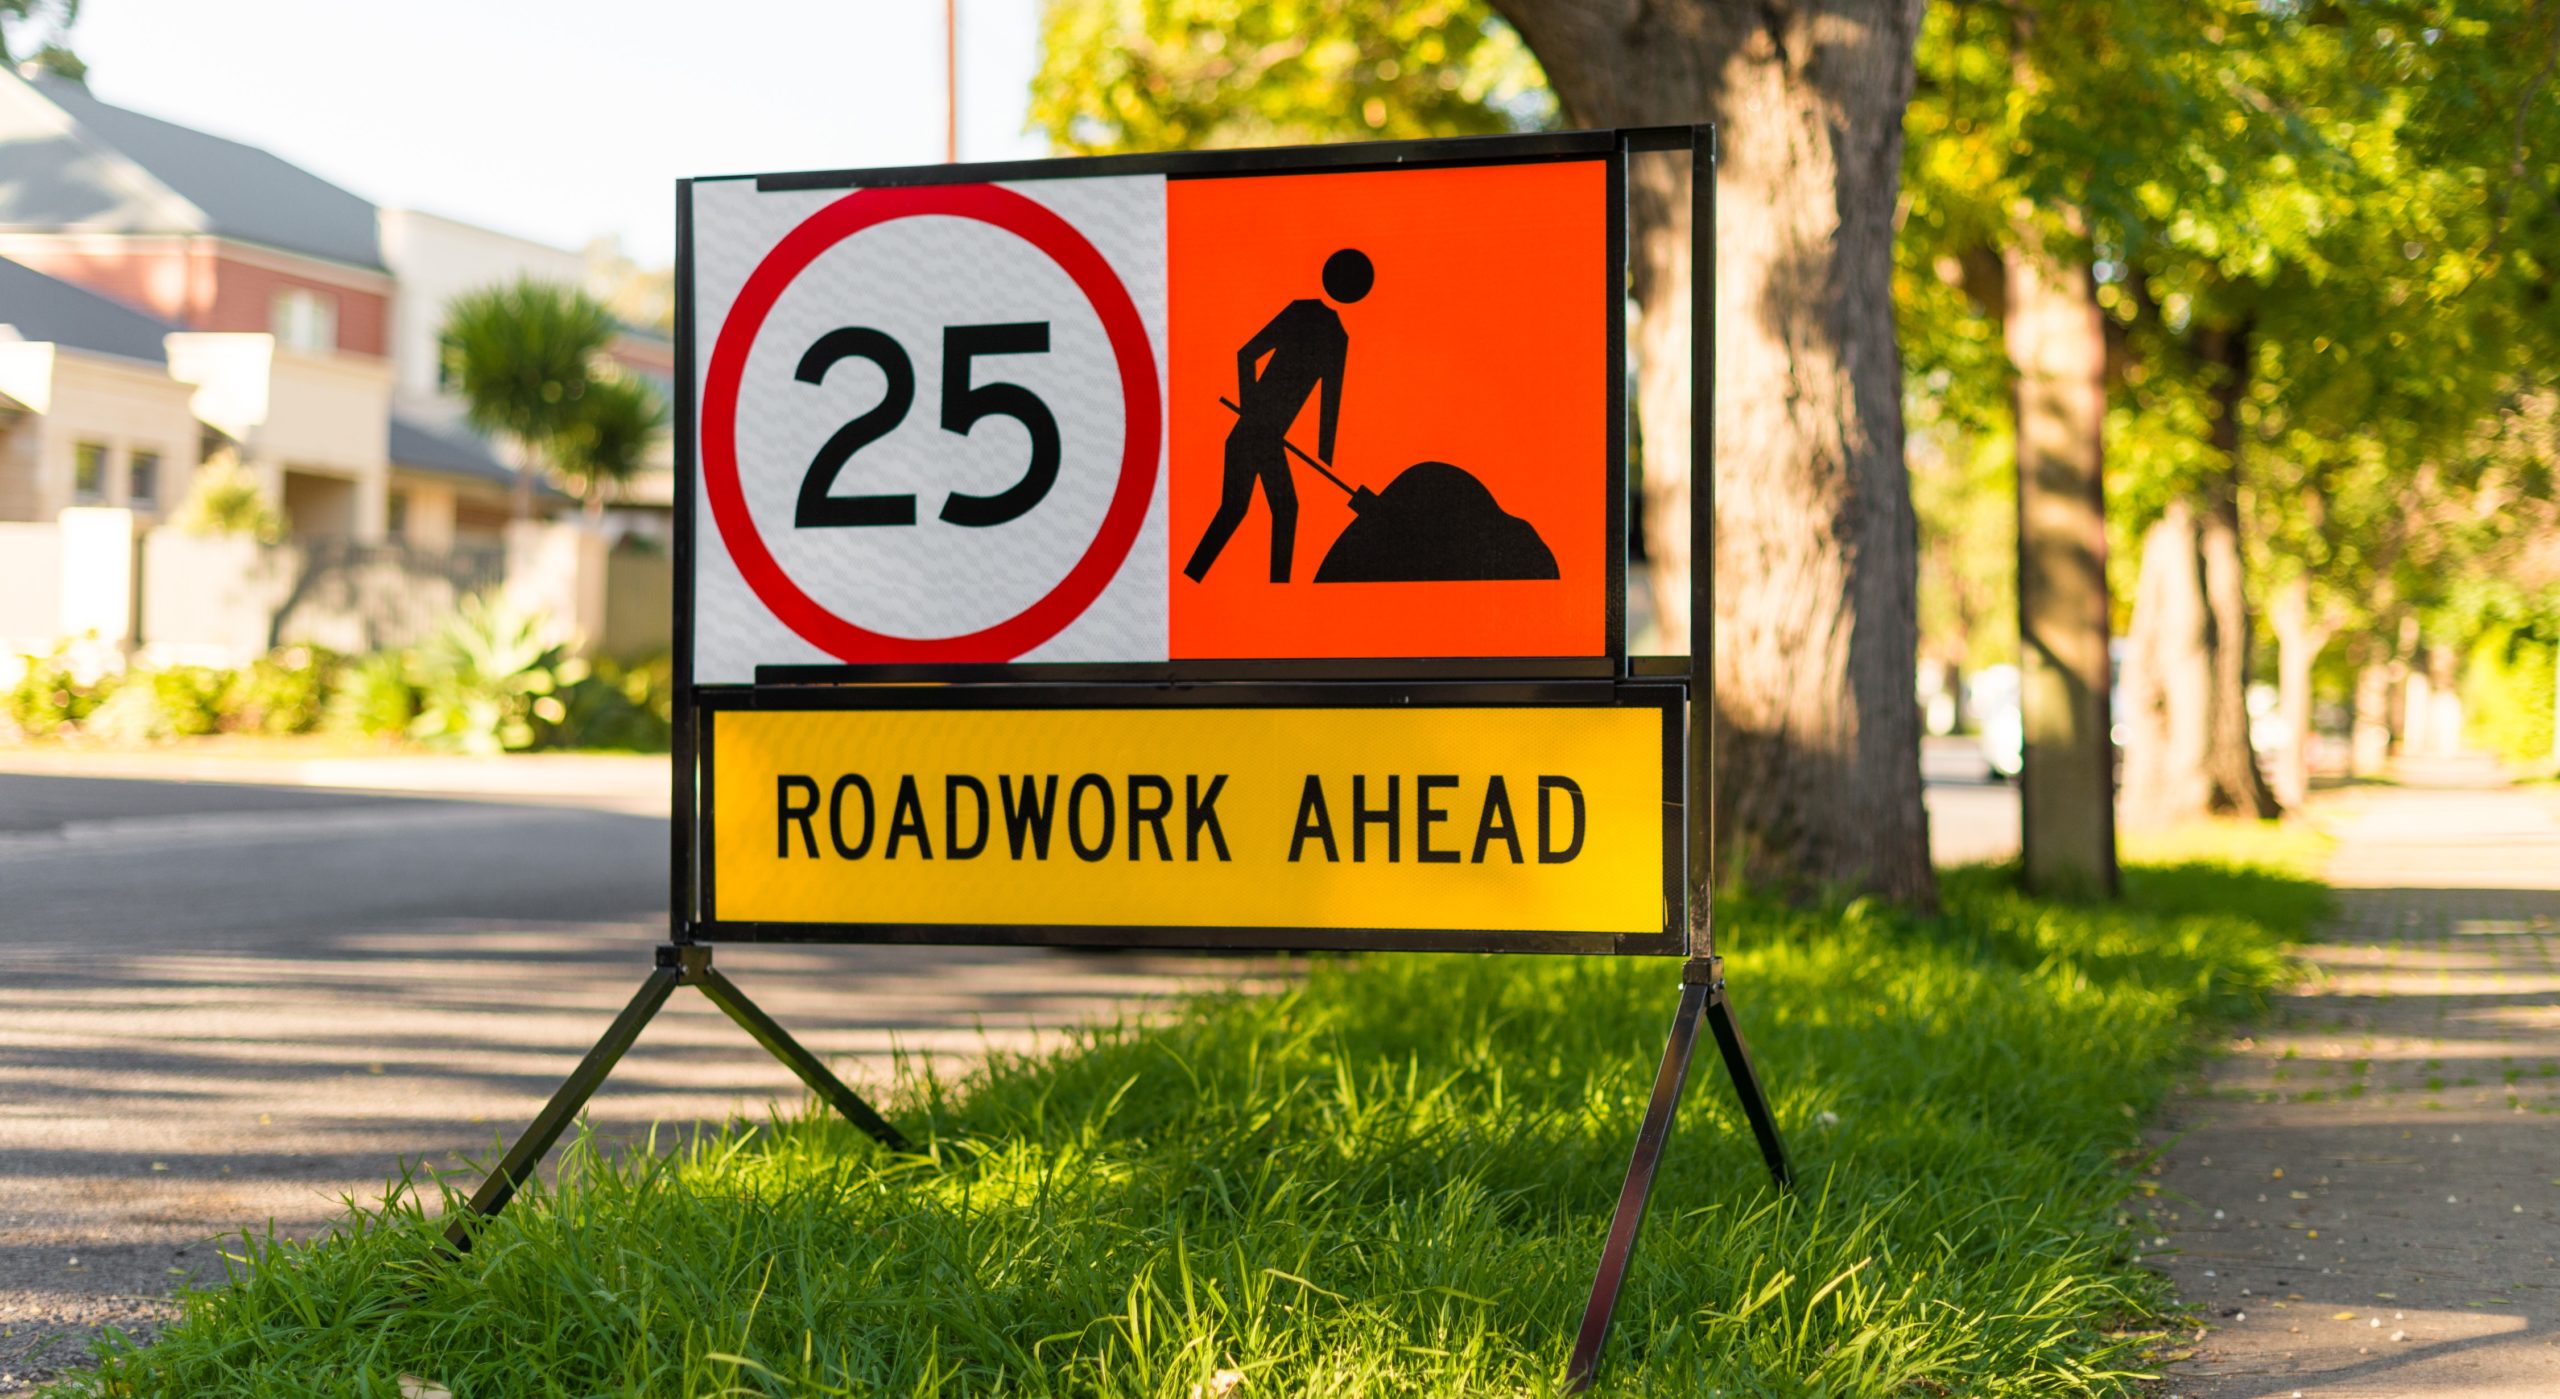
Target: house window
143, 476
89, 473
395, 516
304, 320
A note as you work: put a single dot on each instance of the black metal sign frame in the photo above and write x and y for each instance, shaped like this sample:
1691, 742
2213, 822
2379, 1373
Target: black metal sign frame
1609, 149
1674, 684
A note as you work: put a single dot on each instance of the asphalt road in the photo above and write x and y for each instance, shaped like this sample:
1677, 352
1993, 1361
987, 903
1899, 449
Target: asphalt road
226, 1004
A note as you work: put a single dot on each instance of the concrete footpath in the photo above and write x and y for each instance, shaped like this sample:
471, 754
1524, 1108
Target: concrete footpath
635, 782
2363, 1198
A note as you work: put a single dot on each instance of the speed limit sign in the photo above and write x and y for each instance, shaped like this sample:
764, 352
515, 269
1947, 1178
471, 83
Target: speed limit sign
930, 425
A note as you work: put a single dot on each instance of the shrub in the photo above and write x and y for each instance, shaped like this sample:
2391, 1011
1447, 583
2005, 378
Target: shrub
614, 705
131, 715
2508, 692
488, 681
50, 699
374, 697
190, 698
283, 692
226, 500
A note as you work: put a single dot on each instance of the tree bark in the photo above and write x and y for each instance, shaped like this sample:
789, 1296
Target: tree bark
2300, 638
2187, 752
2231, 762
1816, 625
2369, 742
2168, 678
2056, 338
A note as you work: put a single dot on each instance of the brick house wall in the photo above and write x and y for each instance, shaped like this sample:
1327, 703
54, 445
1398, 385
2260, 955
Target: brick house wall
208, 284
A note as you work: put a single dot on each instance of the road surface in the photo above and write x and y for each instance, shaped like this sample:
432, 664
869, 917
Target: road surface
222, 1004
225, 1003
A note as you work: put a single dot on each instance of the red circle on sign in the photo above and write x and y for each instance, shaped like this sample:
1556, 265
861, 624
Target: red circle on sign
1063, 245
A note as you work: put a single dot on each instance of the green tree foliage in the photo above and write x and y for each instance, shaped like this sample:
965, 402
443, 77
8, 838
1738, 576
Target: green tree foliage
608, 440
1118, 75
225, 499
525, 356
2336, 224
40, 31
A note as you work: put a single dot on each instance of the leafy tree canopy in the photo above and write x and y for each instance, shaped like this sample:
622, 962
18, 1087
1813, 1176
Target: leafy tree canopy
1122, 75
40, 30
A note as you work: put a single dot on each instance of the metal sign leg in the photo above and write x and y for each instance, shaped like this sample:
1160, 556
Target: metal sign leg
688, 965
813, 1071
1701, 989
1746, 1086
517, 1166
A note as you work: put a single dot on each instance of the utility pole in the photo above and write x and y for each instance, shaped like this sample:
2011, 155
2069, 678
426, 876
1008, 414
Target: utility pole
951, 82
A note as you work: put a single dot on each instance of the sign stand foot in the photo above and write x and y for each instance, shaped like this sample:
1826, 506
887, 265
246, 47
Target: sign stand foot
678, 965
1701, 989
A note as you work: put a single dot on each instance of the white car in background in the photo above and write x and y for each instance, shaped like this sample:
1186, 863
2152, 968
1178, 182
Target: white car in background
1991, 696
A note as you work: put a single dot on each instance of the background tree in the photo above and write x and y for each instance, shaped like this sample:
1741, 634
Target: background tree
2029, 132
2360, 284
609, 439
524, 356
1815, 636
39, 31
1819, 783
1184, 74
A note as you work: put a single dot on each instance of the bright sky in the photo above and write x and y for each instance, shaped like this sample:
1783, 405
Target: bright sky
562, 120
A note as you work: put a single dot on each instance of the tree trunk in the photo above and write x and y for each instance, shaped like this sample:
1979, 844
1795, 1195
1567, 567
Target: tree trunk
2189, 754
2066, 792
2369, 742
2396, 704
2168, 678
1658, 187
1816, 627
2233, 764
2300, 638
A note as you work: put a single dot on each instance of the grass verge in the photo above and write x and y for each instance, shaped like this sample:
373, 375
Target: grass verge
1390, 1179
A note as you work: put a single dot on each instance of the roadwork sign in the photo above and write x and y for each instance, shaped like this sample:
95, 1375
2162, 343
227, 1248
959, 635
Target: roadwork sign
1433, 824
1215, 549
1187, 416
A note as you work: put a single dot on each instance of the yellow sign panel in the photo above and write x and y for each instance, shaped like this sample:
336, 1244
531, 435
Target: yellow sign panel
1475, 818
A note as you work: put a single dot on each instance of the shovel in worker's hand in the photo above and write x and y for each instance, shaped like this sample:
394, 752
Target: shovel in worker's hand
1361, 496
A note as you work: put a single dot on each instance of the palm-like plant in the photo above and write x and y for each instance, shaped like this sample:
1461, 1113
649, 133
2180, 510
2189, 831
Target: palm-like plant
524, 356
40, 30
609, 439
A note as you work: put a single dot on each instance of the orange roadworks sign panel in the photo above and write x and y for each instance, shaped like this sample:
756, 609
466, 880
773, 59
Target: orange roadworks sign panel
1424, 822
1430, 336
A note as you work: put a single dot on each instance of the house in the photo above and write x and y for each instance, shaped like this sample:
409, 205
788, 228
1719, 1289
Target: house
169, 299
276, 307
89, 413
436, 259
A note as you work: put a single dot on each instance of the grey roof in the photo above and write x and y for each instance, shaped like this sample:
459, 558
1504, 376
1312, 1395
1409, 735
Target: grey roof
448, 453
455, 452
45, 308
70, 161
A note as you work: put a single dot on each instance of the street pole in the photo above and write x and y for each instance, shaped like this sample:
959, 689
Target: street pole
951, 82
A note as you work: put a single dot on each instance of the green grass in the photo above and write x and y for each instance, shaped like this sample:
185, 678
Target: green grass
1391, 1179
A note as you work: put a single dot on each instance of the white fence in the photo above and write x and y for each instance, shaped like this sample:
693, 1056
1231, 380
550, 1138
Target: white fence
168, 597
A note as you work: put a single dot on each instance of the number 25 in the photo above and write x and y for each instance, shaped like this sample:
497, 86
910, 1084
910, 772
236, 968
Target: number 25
963, 406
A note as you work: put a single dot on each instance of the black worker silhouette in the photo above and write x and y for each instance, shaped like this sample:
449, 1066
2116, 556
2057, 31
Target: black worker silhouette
1306, 343
1433, 523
